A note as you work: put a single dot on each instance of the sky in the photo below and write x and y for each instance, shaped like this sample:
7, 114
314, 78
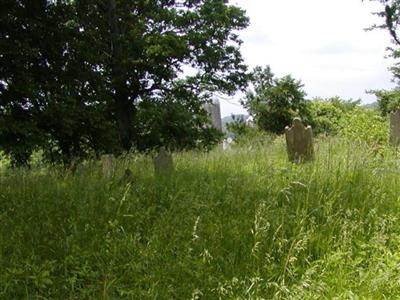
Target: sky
320, 42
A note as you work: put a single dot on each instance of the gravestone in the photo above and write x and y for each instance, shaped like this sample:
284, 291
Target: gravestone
108, 165
163, 163
214, 110
127, 177
299, 142
226, 143
394, 129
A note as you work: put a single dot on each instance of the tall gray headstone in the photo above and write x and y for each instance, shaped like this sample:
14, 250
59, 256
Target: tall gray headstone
163, 163
394, 129
214, 110
299, 142
108, 165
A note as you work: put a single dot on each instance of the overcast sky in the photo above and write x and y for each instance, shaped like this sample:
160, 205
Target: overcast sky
321, 42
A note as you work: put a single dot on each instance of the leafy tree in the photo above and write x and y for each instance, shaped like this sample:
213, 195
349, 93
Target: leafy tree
177, 121
46, 86
390, 14
388, 100
273, 102
88, 75
142, 47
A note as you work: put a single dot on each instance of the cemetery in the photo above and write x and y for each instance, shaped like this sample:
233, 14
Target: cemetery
122, 176
293, 216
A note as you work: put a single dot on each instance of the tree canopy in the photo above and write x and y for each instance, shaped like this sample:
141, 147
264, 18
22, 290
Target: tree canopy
390, 14
111, 75
273, 102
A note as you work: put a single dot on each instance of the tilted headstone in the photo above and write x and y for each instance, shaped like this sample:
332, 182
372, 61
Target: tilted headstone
108, 165
163, 163
214, 110
299, 142
127, 177
394, 129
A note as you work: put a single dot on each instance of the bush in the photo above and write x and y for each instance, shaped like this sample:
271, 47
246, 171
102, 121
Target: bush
327, 115
365, 125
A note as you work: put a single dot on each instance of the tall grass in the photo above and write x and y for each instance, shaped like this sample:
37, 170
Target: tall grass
239, 224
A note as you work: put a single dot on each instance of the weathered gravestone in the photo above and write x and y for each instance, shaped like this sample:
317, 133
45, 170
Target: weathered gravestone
163, 163
214, 110
299, 142
127, 177
394, 129
108, 165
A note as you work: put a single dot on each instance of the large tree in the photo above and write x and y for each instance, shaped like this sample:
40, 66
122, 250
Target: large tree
272, 101
75, 71
47, 87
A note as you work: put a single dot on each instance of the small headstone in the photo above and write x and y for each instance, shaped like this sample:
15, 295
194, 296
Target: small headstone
127, 177
163, 163
226, 144
73, 165
394, 130
250, 122
299, 142
108, 165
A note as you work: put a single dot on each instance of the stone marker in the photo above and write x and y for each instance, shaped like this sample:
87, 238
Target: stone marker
127, 177
108, 165
299, 142
226, 143
214, 110
394, 129
163, 163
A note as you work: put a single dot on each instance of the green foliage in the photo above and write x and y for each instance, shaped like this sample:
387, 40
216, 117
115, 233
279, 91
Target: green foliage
365, 126
242, 224
238, 126
248, 135
387, 100
274, 102
175, 124
328, 115
4, 162
77, 76
390, 14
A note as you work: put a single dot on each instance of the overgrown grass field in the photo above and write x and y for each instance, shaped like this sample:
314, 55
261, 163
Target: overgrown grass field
237, 224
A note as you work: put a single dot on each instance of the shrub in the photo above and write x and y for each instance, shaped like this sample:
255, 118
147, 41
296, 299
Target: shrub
326, 115
365, 125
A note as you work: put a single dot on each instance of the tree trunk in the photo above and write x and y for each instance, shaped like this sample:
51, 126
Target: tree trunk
124, 110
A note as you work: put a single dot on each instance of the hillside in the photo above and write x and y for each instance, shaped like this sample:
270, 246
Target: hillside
241, 224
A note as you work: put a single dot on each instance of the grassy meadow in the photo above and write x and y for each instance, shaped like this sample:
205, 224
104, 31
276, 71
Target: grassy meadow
237, 224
